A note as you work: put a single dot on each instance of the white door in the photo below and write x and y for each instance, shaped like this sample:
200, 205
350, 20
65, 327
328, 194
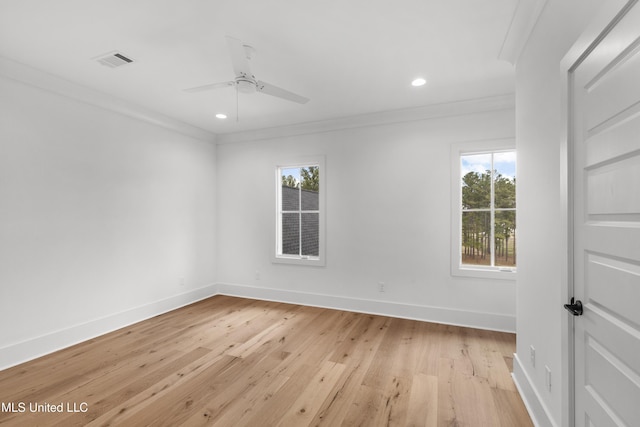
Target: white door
605, 134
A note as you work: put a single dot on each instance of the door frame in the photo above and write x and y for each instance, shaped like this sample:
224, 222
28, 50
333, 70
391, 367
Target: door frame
604, 19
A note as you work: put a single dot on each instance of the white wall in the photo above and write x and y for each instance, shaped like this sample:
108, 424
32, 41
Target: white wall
101, 216
542, 239
388, 217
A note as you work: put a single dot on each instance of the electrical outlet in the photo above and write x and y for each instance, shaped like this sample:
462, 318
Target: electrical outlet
532, 356
257, 275
381, 287
181, 282
547, 377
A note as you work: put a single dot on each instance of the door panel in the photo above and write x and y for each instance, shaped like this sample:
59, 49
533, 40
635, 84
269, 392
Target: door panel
609, 73
605, 113
607, 278
607, 235
613, 187
608, 377
602, 104
614, 138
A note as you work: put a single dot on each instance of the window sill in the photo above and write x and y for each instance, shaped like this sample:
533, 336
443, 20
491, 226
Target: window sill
485, 273
294, 260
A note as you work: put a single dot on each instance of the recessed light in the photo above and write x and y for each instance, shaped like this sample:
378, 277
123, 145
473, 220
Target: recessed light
221, 116
418, 82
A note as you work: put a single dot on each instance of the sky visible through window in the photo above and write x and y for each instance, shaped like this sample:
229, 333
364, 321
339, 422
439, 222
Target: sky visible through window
293, 172
504, 163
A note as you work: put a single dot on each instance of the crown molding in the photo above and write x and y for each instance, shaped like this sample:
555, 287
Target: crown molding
494, 103
48, 82
523, 22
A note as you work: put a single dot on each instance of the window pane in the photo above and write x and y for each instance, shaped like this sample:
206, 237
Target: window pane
476, 181
310, 234
310, 178
505, 163
505, 232
310, 200
290, 189
505, 179
310, 188
290, 198
290, 177
476, 235
290, 234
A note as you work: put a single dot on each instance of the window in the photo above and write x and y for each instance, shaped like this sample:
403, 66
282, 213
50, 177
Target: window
300, 222
484, 203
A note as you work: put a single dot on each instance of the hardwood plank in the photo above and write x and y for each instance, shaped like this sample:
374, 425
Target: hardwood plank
123, 390
284, 398
431, 341
423, 401
446, 402
232, 361
308, 403
255, 401
364, 408
357, 352
511, 408
147, 399
363, 340
395, 401
389, 354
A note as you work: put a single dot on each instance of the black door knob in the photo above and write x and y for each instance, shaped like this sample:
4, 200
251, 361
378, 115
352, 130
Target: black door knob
575, 307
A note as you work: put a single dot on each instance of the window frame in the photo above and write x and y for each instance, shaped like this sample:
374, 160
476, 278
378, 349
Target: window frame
277, 256
457, 268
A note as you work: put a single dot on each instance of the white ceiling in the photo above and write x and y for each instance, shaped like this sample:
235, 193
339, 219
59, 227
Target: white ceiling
351, 57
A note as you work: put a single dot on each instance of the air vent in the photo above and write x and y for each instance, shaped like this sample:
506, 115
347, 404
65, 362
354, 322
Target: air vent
114, 59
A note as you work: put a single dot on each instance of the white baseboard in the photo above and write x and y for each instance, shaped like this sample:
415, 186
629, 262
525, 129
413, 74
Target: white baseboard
538, 411
24, 351
489, 321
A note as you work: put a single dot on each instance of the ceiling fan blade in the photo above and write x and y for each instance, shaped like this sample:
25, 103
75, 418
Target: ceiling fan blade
272, 90
209, 86
239, 57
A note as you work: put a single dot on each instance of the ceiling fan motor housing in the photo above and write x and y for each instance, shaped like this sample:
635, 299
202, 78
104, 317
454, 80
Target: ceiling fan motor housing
245, 85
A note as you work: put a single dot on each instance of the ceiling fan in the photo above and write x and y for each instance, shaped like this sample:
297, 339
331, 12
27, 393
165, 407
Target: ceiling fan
245, 81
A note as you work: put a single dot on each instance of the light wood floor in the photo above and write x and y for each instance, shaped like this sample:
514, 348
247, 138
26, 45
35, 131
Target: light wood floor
236, 362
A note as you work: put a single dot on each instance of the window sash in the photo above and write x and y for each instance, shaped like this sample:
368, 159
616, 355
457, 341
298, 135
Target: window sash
496, 269
491, 209
300, 234
307, 246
